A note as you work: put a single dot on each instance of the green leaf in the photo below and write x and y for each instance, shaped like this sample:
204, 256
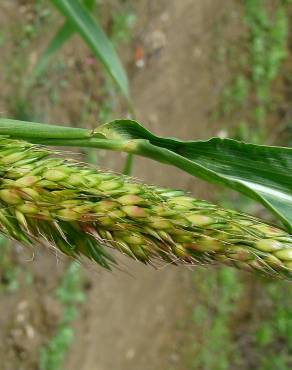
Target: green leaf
80, 18
63, 34
263, 173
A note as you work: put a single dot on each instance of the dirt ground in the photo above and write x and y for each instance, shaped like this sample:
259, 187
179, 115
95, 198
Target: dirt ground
131, 322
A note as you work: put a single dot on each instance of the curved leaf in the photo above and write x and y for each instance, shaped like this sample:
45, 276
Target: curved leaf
93, 35
63, 34
263, 173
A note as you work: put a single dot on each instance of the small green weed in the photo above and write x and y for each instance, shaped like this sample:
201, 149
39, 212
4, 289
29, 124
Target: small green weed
249, 92
234, 95
215, 350
12, 276
274, 334
122, 23
69, 295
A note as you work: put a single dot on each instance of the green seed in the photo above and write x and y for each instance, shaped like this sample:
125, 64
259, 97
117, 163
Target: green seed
105, 221
179, 251
69, 203
257, 264
267, 229
93, 181
244, 266
160, 223
164, 211
182, 202
288, 265
67, 215
21, 219
12, 158
129, 199
134, 211
268, 245
109, 185
105, 205
116, 214
48, 184
28, 208
55, 175
10, 196
239, 253
139, 252
273, 261
284, 254
44, 214
30, 194
208, 244
27, 181
132, 188
82, 209
134, 239
183, 238
199, 220
124, 248
75, 180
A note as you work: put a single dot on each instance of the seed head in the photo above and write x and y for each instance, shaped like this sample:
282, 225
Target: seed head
82, 211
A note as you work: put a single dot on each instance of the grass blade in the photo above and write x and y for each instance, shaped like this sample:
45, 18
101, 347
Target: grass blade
93, 35
62, 35
263, 173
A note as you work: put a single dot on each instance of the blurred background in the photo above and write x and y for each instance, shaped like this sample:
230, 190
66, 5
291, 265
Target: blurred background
196, 68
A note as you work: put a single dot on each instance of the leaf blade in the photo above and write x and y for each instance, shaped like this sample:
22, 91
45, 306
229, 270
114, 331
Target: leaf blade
263, 173
96, 39
63, 34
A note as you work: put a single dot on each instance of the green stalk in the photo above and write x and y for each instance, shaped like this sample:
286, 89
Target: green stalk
54, 135
128, 165
33, 130
84, 212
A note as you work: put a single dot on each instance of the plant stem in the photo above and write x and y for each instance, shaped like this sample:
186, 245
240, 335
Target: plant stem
33, 130
54, 135
128, 165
